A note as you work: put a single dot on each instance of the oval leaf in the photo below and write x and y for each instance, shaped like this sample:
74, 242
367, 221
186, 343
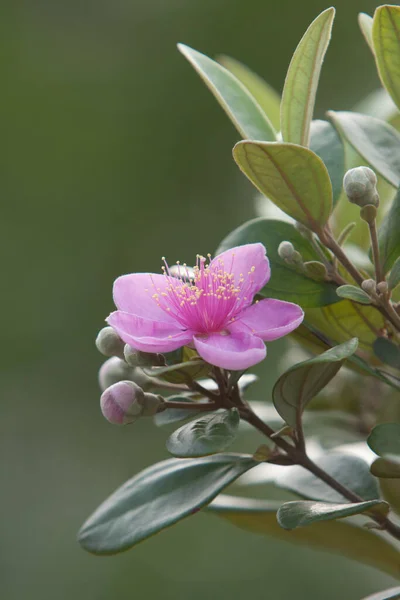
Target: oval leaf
295, 388
158, 497
337, 537
302, 78
351, 471
384, 439
376, 141
299, 514
265, 95
386, 40
385, 469
387, 352
294, 178
351, 292
285, 283
391, 594
394, 277
388, 235
365, 23
240, 106
207, 435
326, 143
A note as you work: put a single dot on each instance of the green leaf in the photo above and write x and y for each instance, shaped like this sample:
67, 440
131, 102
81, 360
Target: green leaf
394, 277
387, 352
365, 23
158, 497
384, 439
351, 292
391, 594
240, 106
326, 143
294, 178
181, 372
299, 514
386, 40
302, 78
285, 283
388, 235
207, 435
174, 415
337, 537
385, 469
376, 141
349, 470
265, 95
295, 388
346, 319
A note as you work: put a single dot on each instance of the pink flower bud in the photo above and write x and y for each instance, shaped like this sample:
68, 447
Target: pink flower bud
122, 402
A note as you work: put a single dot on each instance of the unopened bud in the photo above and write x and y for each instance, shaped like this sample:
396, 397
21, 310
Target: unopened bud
286, 250
360, 186
121, 403
369, 286
150, 404
109, 343
136, 358
114, 370
382, 287
296, 258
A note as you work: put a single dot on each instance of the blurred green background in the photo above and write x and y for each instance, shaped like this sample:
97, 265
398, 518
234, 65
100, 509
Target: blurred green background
113, 154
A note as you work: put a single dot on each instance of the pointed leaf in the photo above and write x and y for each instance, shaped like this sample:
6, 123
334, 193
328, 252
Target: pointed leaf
326, 143
387, 352
240, 106
376, 141
158, 497
299, 514
384, 439
386, 40
206, 435
385, 469
351, 292
294, 178
391, 594
365, 23
285, 283
295, 388
337, 537
302, 79
394, 277
265, 95
388, 235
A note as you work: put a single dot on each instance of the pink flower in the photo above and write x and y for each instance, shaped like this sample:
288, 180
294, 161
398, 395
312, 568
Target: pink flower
209, 308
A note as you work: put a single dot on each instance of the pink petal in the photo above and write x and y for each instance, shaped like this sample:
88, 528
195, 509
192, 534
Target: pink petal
241, 260
270, 319
134, 294
234, 351
148, 335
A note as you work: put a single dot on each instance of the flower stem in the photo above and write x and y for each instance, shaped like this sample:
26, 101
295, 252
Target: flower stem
375, 251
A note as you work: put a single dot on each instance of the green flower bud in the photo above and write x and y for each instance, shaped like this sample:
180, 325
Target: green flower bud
121, 403
109, 343
369, 286
382, 287
114, 370
136, 358
360, 186
286, 250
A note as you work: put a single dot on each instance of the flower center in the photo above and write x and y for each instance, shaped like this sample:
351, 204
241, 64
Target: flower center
206, 298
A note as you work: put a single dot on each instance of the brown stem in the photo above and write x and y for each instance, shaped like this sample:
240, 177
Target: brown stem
300, 457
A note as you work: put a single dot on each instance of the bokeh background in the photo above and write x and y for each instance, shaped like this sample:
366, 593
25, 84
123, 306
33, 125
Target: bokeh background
113, 154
